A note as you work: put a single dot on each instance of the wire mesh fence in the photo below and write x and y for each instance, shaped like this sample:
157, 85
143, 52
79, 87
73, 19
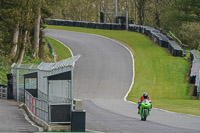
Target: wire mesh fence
18, 72
46, 89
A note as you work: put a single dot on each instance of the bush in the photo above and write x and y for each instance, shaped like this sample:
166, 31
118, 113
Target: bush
190, 34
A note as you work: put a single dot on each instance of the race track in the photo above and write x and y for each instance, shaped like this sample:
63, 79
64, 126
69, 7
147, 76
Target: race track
102, 77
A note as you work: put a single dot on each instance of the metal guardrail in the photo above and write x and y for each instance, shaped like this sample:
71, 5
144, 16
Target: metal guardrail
37, 106
50, 46
43, 110
3, 92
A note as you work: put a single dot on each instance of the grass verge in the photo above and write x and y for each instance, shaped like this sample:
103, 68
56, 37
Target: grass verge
62, 51
156, 71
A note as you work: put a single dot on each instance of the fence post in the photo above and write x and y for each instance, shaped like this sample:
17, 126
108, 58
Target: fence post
49, 110
1, 92
17, 85
198, 87
126, 20
6, 91
198, 93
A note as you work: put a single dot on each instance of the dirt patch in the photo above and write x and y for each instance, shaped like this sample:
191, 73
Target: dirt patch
55, 56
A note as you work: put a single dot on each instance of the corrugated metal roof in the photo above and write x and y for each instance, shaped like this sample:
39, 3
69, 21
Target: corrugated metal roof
57, 65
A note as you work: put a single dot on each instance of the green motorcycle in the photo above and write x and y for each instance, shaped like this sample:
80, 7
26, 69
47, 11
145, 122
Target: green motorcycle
145, 108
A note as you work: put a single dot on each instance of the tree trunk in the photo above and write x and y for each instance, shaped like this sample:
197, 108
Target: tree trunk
140, 4
13, 50
37, 30
22, 49
157, 14
157, 17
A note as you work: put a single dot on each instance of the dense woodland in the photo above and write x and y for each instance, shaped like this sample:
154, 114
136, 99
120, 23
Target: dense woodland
21, 21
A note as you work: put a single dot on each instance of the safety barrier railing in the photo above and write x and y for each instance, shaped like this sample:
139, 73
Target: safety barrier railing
50, 47
3, 92
37, 106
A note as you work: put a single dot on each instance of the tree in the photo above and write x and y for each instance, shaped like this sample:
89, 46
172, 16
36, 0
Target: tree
11, 17
190, 34
27, 26
37, 28
140, 5
15, 41
22, 49
188, 10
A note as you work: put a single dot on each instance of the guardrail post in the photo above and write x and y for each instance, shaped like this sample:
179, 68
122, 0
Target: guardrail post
198, 93
17, 85
6, 91
1, 91
126, 20
198, 87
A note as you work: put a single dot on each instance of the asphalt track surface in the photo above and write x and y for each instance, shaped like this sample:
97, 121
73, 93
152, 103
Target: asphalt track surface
102, 77
12, 119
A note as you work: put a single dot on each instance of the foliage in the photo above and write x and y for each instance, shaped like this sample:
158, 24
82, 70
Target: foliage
29, 60
13, 12
190, 34
188, 10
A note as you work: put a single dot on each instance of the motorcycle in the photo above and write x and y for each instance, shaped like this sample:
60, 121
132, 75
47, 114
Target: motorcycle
145, 108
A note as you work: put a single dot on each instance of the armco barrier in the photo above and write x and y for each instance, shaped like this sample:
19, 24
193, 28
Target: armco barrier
195, 65
162, 40
174, 48
91, 25
158, 37
96, 25
107, 26
154, 34
69, 23
84, 24
77, 23
50, 47
116, 26
99, 26
195, 72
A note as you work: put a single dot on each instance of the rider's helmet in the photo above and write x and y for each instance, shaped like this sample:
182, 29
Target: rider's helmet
145, 95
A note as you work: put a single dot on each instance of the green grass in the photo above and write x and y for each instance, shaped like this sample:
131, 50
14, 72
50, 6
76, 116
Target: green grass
29, 60
62, 51
4, 69
156, 71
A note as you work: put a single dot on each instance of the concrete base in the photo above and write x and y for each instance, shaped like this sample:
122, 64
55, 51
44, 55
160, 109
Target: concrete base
78, 105
46, 127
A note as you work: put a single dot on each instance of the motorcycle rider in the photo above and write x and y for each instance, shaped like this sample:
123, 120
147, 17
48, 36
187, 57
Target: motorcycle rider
145, 96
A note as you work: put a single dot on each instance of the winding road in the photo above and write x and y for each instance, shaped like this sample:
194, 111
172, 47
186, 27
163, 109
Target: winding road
102, 78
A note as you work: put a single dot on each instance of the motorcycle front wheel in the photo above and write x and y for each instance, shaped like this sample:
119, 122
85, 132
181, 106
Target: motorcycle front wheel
145, 115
